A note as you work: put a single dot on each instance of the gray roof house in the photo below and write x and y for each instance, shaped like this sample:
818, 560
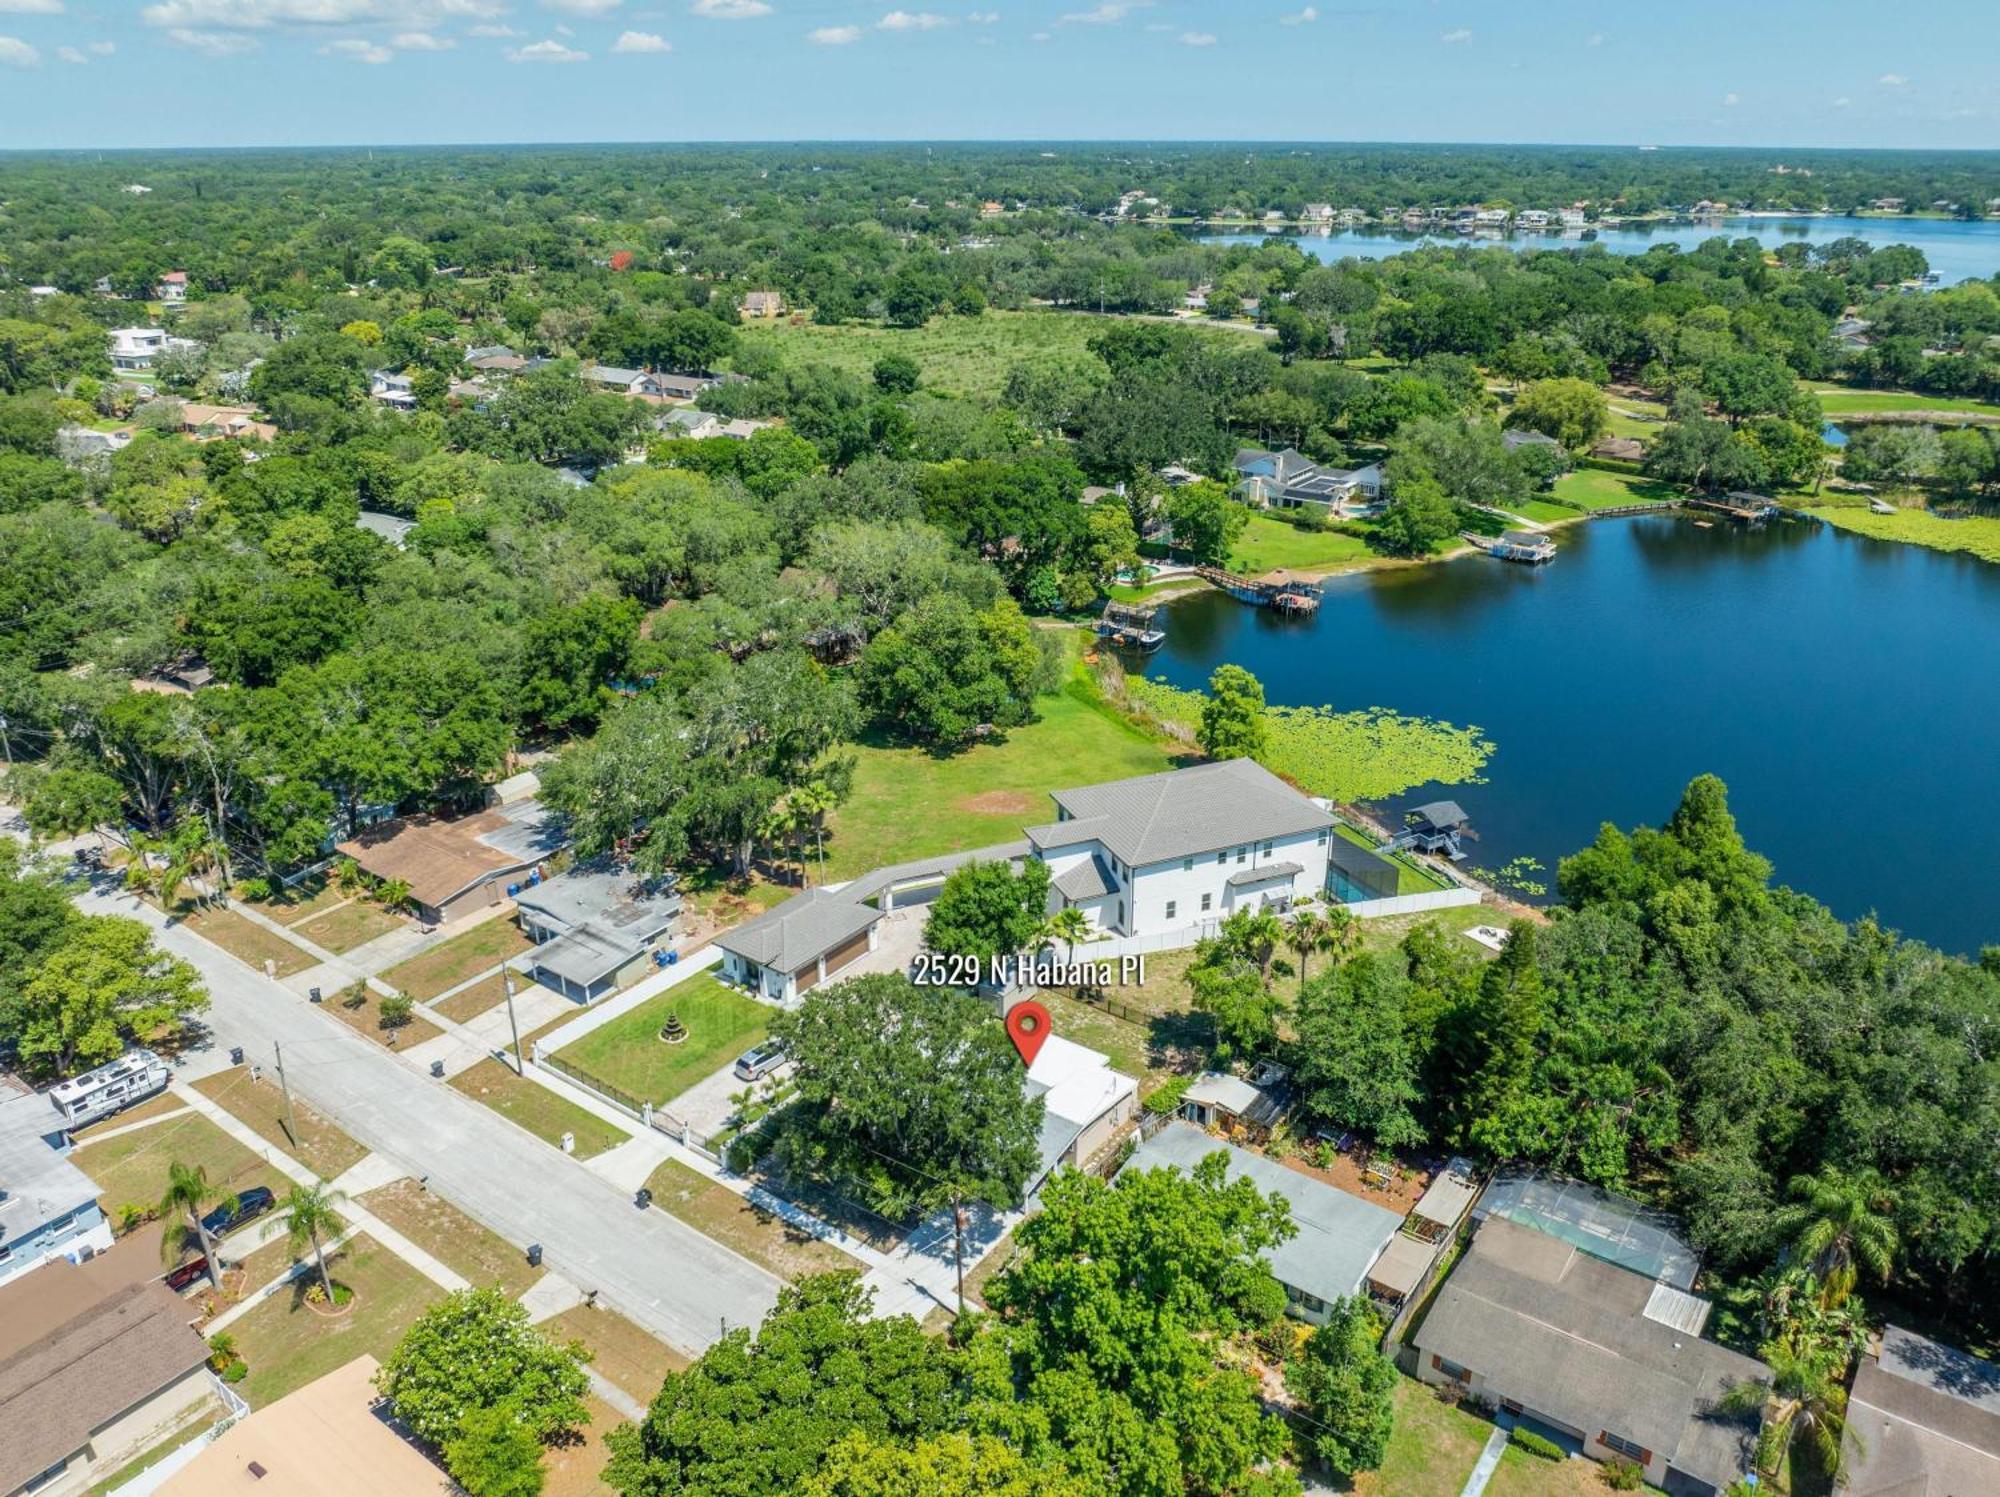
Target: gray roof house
1606, 1360
614, 378
798, 945
1923, 1421
1181, 811
1291, 480
594, 925
48, 1207
1339, 1235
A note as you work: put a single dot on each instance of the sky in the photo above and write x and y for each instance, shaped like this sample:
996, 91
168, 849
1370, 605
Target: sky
159, 73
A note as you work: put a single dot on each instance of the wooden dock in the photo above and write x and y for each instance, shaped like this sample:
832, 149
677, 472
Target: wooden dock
1745, 508
1529, 546
1288, 592
1651, 507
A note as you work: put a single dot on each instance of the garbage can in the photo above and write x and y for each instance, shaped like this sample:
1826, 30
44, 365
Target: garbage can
642, 1198
534, 1255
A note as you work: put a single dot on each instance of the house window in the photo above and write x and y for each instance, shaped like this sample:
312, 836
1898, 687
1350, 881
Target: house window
1206, 901
1267, 849
1451, 1369
1171, 907
1121, 912
1322, 836
1223, 856
1625, 1447
1187, 865
1242, 855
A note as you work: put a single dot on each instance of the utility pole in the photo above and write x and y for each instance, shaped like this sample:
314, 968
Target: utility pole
291, 1121
958, 1247
507, 980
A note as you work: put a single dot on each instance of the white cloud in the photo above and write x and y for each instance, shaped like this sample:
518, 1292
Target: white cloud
490, 30
1595, 39
422, 41
1038, 36
100, 49
835, 36
736, 10
1892, 80
1456, 38
257, 15
1730, 101
1300, 17
31, 7
981, 17
903, 20
356, 49
583, 7
1197, 38
1110, 13
72, 55
15, 53
641, 41
548, 51
1843, 103
212, 43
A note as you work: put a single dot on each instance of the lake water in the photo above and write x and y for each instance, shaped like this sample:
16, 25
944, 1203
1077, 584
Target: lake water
1956, 251
1847, 690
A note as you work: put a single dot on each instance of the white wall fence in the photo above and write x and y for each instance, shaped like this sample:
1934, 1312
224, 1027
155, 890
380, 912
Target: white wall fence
1412, 904
607, 1009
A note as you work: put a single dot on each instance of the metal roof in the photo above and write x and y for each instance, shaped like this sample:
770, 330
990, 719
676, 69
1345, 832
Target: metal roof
1265, 873
1181, 813
1448, 1195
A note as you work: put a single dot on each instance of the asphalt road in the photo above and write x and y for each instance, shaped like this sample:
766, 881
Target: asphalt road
649, 1265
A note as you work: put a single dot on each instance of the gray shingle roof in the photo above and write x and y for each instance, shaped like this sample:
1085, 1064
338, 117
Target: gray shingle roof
1181, 813
1924, 1420
1265, 873
1088, 880
801, 930
1339, 1235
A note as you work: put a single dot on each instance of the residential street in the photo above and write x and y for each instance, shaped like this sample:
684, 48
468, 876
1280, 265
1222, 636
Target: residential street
654, 1268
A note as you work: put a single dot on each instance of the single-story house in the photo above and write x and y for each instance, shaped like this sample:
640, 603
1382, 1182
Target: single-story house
1620, 449
610, 377
1605, 1359
1215, 1099
595, 926
98, 1362
763, 304
81, 446
212, 423
1084, 1104
1923, 1421
331, 1438
689, 424
188, 674
676, 386
48, 1207
454, 866
1339, 1235
1514, 438
392, 528
786, 952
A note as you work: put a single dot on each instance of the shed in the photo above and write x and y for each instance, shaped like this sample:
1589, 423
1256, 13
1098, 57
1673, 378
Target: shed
1216, 1099
1399, 1272
1449, 1196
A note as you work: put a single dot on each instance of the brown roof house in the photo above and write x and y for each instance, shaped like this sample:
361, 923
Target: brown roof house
1923, 1421
332, 1438
763, 304
97, 1363
456, 866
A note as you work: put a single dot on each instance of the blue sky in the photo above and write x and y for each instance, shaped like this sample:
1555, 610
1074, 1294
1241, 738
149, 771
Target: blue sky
110, 73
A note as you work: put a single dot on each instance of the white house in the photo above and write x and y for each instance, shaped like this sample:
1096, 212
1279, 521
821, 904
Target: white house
48, 1207
1084, 1104
173, 288
137, 347
1165, 851
393, 390
799, 945
1291, 480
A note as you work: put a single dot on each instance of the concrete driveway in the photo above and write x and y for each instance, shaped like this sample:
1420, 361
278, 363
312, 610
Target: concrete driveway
898, 939
706, 1105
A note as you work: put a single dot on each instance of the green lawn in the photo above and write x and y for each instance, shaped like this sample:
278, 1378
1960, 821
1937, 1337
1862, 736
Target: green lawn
1432, 1449
321, 1146
629, 1053
1411, 877
908, 802
542, 1112
1627, 418
349, 925
1598, 488
1837, 401
1975, 535
1267, 543
958, 355
1544, 512
458, 960
132, 1169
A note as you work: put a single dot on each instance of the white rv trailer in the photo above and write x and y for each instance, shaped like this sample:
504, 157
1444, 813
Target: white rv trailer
132, 1077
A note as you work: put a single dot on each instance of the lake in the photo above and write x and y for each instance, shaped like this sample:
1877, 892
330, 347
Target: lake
1848, 691
1956, 251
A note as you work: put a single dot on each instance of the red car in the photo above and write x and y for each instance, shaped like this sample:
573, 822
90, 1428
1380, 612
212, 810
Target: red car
191, 1272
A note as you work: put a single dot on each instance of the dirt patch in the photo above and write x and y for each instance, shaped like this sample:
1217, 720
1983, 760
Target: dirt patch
998, 803
1400, 1193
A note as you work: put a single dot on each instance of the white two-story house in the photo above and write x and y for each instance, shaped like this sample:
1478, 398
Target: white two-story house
1163, 852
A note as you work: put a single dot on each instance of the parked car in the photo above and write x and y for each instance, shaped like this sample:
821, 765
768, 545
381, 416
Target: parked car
760, 1060
230, 1215
191, 1272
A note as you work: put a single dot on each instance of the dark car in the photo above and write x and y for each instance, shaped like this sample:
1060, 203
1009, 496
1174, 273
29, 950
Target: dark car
230, 1215
191, 1272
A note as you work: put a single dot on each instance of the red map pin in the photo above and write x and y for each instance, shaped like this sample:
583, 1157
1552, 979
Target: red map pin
1027, 1027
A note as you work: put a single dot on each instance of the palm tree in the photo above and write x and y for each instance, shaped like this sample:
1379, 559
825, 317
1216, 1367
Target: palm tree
814, 803
1804, 1404
1257, 934
311, 1217
1343, 934
776, 828
187, 1196
1305, 935
1841, 1225
1068, 925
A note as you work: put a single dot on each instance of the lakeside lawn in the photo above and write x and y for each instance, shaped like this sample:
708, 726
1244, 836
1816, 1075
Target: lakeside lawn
629, 1054
1837, 400
533, 1106
1267, 544
958, 355
909, 802
1600, 488
1974, 535
1411, 876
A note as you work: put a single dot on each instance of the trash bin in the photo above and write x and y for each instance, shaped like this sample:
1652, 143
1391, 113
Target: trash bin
236, 1055
314, 995
642, 1198
437, 1069
672, 957
534, 1255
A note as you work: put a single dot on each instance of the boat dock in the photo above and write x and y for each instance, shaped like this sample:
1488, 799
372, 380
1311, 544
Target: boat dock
1744, 507
1288, 592
1131, 626
1530, 546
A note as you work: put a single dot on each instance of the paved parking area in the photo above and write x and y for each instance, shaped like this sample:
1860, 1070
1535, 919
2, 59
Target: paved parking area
706, 1106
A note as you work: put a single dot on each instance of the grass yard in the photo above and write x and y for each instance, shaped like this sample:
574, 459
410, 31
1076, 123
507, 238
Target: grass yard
1432, 1450
958, 355
1600, 488
1837, 401
1411, 877
247, 941
1267, 544
1974, 535
629, 1053
627, 1356
468, 1004
454, 1238
349, 926
309, 897
1522, 1475
1545, 512
1170, 1044
908, 802
288, 1343
322, 1147
152, 1107
577, 1469
536, 1108
360, 1009
1388, 932
717, 1211
458, 960
132, 1169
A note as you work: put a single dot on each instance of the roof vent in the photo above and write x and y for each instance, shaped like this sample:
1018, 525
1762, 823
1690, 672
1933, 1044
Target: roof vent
258, 1471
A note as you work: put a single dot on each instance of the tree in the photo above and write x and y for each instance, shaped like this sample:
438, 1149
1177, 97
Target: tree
1205, 521
941, 672
764, 1412
309, 1219
1841, 1223
574, 653
1573, 411
945, 1465
1356, 1061
1497, 1045
493, 1453
1419, 516
187, 1199
475, 1349
1233, 724
1348, 1388
104, 984
911, 1094
987, 910
897, 374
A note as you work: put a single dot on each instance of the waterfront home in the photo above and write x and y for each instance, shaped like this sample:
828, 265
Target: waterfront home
1620, 449
1923, 1421
1291, 480
1605, 1360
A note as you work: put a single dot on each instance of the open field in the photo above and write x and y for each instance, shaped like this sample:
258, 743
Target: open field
1267, 544
1837, 401
958, 355
717, 1211
454, 1238
626, 1356
349, 925
1599, 488
463, 957
321, 1147
132, 1169
247, 941
1974, 535
908, 802
630, 1055
536, 1108
288, 1342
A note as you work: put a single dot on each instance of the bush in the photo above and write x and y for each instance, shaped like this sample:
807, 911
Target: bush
1623, 1476
396, 1011
1167, 1100
236, 1371
1534, 1444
